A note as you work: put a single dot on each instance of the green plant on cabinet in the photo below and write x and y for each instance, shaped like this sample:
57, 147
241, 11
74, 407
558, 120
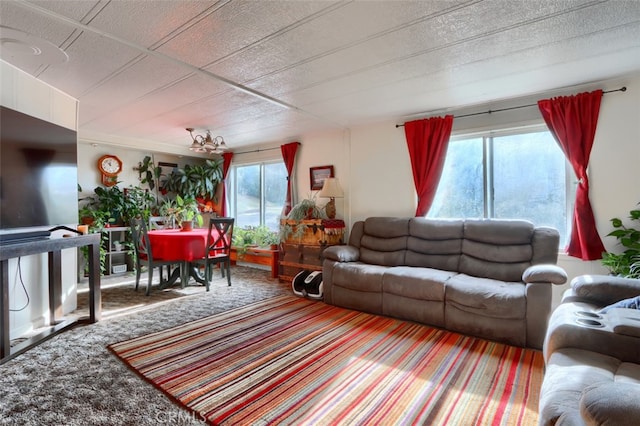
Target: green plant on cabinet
294, 226
113, 206
109, 207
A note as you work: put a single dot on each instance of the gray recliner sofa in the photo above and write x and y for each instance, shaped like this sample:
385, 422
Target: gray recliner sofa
487, 278
592, 355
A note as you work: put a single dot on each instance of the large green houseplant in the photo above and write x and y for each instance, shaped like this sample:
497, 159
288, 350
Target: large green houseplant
627, 263
195, 181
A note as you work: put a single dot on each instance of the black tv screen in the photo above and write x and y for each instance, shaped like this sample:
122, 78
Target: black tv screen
38, 172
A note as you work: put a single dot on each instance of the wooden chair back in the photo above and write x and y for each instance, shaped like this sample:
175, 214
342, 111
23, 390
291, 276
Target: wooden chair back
220, 236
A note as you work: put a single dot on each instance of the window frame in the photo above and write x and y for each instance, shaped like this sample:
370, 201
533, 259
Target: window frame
488, 175
232, 186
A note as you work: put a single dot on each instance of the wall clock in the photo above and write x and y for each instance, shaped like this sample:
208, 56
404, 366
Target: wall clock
109, 165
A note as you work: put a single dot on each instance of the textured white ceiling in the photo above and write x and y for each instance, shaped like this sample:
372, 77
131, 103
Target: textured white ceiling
271, 71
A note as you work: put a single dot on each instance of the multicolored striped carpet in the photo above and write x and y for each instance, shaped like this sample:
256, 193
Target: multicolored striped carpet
289, 360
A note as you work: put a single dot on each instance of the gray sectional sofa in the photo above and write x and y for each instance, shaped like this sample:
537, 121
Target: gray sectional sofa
488, 278
592, 355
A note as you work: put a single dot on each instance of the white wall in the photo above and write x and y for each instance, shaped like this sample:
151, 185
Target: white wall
24, 93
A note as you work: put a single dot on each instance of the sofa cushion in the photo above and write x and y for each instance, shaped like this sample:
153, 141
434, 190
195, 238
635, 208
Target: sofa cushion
434, 243
415, 283
612, 403
487, 297
384, 241
570, 372
359, 276
500, 250
567, 373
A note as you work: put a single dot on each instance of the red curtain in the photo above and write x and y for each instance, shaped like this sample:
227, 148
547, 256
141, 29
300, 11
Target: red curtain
572, 121
427, 141
226, 164
289, 156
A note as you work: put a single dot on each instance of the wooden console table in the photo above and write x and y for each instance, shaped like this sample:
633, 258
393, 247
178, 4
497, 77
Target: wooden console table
53, 247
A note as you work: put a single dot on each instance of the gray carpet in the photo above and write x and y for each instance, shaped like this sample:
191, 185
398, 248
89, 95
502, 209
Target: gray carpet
72, 379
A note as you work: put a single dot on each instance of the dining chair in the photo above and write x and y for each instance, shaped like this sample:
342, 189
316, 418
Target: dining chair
157, 222
218, 248
144, 255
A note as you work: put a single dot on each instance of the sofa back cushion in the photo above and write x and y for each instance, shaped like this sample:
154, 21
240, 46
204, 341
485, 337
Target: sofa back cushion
435, 243
384, 241
497, 248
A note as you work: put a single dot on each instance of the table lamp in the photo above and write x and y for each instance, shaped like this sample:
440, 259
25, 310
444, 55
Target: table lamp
332, 190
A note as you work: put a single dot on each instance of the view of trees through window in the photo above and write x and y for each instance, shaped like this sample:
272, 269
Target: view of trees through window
511, 176
257, 193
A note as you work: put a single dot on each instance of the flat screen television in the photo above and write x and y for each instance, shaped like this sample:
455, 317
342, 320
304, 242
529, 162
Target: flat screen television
38, 173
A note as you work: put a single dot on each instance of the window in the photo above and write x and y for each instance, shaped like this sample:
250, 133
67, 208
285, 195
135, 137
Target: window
256, 193
510, 175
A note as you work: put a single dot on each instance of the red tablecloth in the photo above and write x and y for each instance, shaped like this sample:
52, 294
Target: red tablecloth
174, 244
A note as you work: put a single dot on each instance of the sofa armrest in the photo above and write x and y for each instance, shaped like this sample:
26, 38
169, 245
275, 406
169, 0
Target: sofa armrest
342, 253
565, 331
544, 273
605, 289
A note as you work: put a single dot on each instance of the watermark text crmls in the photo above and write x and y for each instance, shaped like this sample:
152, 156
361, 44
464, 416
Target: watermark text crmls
173, 417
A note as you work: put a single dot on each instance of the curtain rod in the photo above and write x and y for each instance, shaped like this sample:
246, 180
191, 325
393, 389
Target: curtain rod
256, 150
622, 89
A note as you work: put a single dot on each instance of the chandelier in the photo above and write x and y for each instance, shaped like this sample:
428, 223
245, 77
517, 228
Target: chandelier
208, 144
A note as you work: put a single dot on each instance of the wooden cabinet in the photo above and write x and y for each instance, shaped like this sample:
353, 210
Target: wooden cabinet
304, 244
298, 257
117, 260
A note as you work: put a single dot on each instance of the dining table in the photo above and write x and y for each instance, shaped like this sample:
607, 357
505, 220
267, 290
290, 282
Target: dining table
183, 247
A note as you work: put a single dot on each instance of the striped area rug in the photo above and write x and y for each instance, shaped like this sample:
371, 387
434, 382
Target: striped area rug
289, 360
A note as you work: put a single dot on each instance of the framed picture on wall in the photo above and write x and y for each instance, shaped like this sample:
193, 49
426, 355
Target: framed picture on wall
317, 175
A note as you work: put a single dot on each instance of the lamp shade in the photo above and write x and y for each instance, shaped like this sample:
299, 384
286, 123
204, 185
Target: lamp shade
331, 189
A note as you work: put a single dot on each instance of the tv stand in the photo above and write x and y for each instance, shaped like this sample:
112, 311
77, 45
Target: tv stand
53, 247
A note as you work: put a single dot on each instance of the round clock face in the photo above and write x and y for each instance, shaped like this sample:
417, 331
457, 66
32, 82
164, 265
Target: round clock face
110, 165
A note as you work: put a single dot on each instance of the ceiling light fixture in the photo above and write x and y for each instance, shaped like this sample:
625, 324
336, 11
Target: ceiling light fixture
208, 144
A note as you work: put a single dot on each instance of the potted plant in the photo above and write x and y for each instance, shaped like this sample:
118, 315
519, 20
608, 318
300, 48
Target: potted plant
150, 174
182, 211
254, 236
626, 263
265, 237
195, 181
242, 239
137, 202
302, 223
